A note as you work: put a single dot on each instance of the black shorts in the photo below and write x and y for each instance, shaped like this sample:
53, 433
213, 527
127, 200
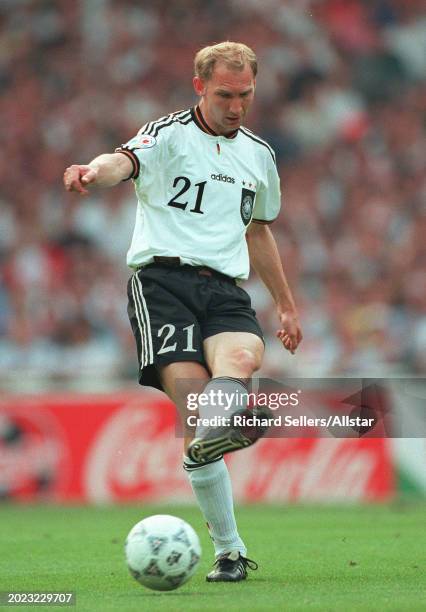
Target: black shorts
173, 309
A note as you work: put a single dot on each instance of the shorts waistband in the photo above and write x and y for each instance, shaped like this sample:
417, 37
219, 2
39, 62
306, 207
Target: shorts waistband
175, 262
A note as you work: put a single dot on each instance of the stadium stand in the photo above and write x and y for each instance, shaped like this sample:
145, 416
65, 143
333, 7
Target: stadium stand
341, 96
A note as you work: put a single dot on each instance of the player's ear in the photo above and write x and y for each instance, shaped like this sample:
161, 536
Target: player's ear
199, 86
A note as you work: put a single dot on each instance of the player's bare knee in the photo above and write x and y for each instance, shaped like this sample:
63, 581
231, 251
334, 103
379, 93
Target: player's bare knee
242, 362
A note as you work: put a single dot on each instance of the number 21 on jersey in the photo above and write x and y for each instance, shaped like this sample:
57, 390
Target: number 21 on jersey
183, 183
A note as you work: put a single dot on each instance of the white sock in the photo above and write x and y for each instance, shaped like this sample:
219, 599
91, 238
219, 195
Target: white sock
212, 488
227, 396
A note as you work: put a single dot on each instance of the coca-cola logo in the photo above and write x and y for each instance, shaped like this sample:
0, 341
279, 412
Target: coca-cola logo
313, 469
33, 454
136, 454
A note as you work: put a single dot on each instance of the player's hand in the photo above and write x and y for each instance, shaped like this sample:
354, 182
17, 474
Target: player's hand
290, 333
76, 177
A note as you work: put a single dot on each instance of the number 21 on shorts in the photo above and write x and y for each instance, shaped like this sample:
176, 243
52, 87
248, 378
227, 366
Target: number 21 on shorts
168, 331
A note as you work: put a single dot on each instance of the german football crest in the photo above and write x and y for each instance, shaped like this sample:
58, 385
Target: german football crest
247, 203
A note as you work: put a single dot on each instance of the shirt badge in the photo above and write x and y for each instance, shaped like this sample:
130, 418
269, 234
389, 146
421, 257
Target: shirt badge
247, 204
142, 141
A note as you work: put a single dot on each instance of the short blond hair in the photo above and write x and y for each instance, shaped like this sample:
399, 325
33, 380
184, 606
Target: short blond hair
234, 55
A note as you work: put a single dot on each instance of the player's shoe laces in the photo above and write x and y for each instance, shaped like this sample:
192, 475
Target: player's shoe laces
231, 567
232, 437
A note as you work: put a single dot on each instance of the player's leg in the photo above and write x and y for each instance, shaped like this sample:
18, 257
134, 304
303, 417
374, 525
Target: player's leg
232, 358
234, 354
178, 381
167, 333
210, 481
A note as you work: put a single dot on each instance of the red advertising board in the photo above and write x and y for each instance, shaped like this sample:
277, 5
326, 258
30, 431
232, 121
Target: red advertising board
123, 447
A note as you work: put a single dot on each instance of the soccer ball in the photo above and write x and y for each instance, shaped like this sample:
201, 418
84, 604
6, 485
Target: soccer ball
162, 552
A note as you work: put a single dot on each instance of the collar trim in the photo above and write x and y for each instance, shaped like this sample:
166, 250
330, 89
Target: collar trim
201, 123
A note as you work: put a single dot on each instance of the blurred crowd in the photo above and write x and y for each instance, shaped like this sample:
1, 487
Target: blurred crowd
341, 97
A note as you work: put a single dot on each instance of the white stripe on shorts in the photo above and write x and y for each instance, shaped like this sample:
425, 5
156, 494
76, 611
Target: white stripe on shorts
141, 326
143, 321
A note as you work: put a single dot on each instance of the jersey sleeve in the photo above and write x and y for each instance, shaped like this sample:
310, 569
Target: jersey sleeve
144, 151
268, 199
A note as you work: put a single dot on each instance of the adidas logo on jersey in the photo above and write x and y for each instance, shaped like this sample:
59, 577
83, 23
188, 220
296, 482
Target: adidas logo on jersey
222, 177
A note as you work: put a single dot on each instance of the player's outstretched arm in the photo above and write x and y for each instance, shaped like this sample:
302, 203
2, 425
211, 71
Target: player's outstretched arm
265, 259
105, 170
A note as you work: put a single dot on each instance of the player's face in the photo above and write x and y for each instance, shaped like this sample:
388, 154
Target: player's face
226, 97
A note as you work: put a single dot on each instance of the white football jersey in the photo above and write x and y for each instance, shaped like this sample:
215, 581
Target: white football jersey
198, 192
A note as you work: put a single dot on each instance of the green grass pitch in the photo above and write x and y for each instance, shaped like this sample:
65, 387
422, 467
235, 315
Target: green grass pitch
310, 558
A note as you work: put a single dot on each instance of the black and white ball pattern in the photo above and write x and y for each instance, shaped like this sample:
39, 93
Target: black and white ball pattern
162, 552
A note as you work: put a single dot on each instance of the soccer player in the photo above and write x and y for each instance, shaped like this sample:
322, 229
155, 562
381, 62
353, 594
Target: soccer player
207, 190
